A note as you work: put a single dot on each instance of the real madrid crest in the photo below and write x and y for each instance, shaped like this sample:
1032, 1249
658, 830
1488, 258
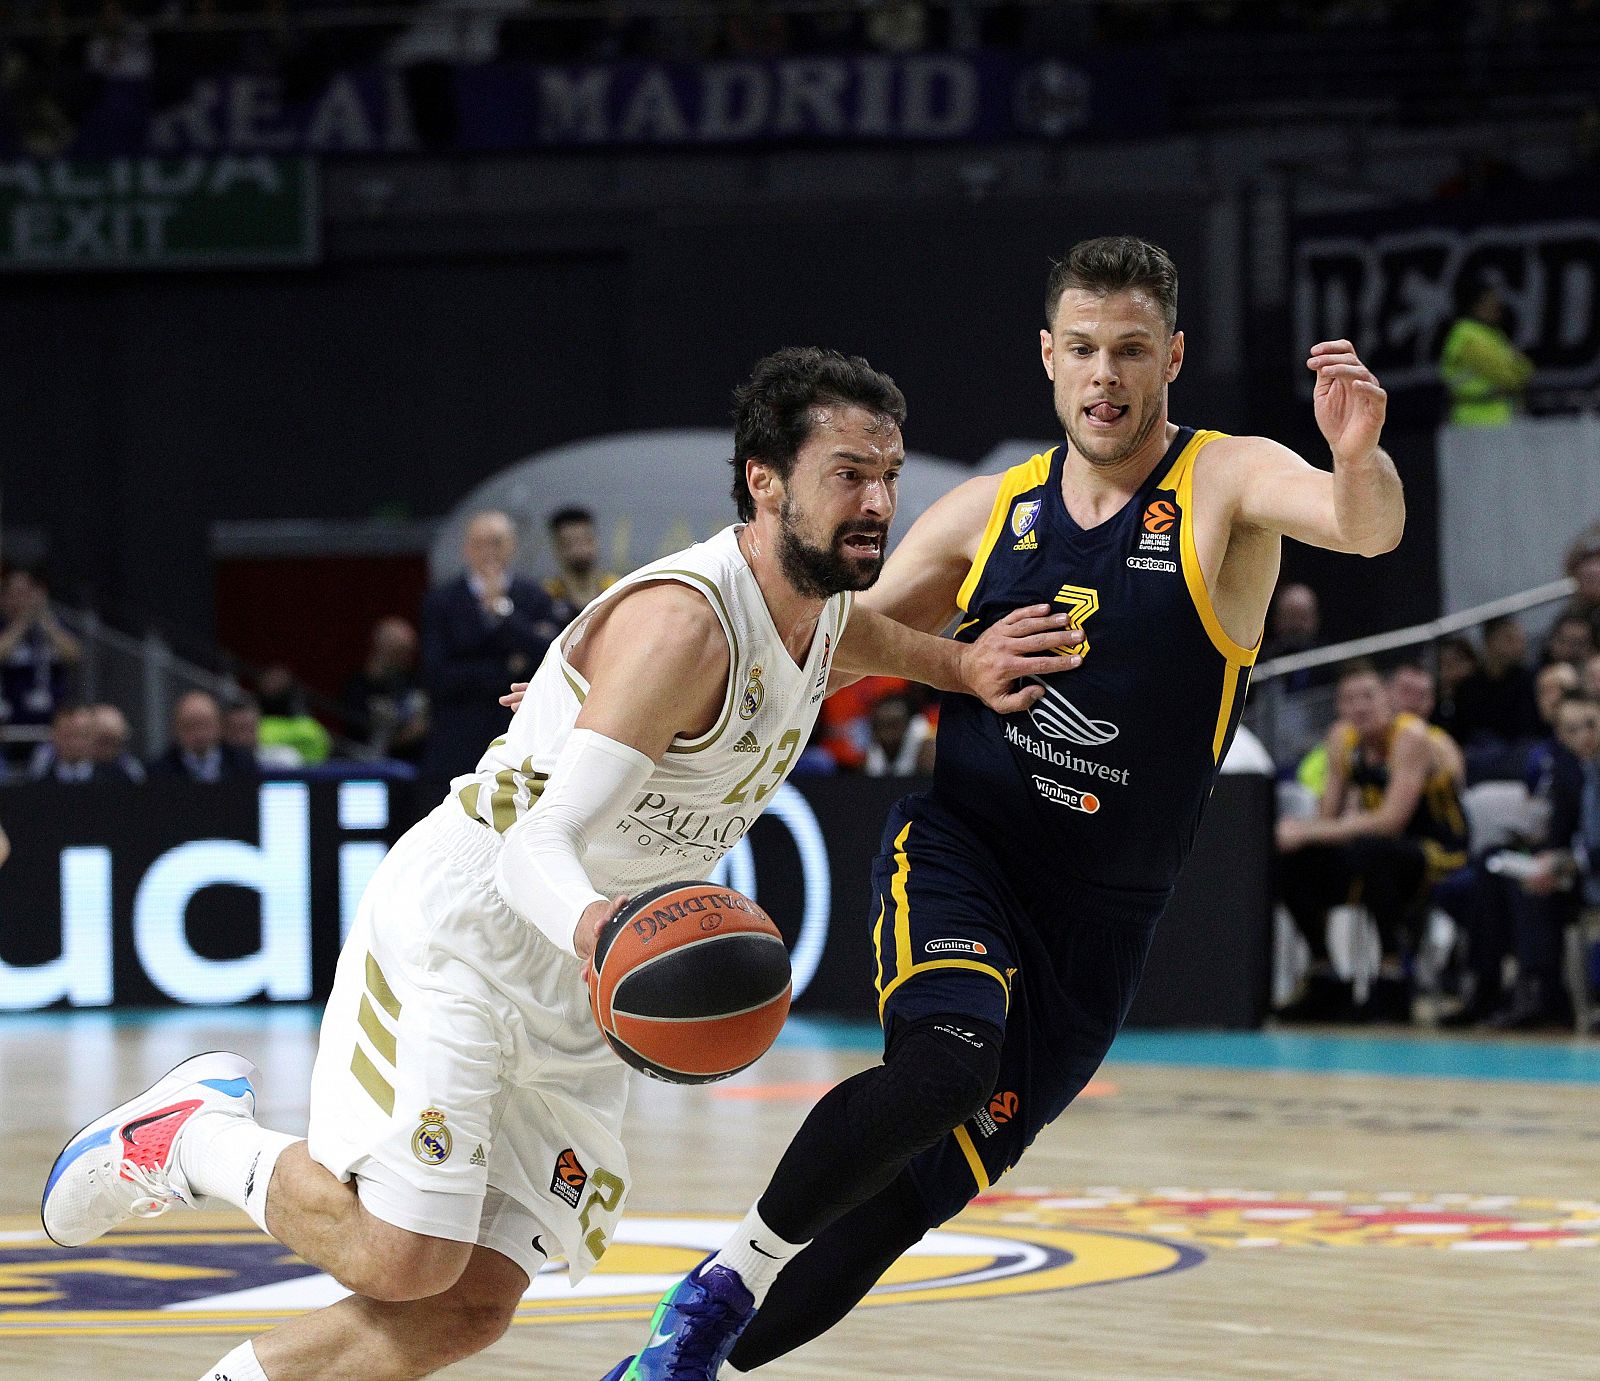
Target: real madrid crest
754, 694
430, 1143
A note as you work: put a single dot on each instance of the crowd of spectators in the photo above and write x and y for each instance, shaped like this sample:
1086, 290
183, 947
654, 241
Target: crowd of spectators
1385, 799
423, 701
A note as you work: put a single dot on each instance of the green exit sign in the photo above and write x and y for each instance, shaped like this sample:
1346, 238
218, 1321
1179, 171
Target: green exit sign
154, 213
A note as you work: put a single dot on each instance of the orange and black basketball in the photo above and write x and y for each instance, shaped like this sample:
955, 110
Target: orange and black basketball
690, 982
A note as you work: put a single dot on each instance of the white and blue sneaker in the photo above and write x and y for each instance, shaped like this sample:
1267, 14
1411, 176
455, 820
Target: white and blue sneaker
693, 1329
125, 1164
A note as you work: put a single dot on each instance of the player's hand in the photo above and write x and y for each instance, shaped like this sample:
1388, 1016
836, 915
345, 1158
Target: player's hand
1026, 642
513, 697
1349, 403
590, 924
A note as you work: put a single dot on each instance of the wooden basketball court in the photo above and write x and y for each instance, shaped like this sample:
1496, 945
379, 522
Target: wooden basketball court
1250, 1206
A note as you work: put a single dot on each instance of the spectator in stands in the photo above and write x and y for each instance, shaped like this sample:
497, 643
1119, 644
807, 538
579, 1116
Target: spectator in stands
1588, 679
1458, 662
197, 752
846, 718
1411, 691
480, 631
1294, 624
241, 729
1583, 566
285, 720
902, 740
36, 655
1495, 706
110, 748
1484, 372
1571, 640
1521, 907
1389, 826
384, 703
1551, 686
69, 756
577, 547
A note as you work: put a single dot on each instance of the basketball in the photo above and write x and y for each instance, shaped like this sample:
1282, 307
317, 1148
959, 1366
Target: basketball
690, 982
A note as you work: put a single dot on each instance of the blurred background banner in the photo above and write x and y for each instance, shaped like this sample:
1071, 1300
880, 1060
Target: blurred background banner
176, 893
152, 213
503, 106
1394, 284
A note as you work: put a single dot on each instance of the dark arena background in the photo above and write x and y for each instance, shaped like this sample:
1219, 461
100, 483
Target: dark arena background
292, 292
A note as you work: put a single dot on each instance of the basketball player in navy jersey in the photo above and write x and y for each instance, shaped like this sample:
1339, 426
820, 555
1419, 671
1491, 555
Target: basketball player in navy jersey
1016, 901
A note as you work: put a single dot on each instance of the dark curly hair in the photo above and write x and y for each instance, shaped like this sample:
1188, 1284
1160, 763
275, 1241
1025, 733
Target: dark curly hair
772, 412
1114, 264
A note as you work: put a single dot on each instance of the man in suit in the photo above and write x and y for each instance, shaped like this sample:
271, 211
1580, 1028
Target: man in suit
197, 752
69, 755
483, 628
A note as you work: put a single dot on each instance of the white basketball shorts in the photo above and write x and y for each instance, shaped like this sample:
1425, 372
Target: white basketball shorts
460, 1077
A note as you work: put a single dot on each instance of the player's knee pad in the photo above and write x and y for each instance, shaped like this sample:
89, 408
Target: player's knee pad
937, 1073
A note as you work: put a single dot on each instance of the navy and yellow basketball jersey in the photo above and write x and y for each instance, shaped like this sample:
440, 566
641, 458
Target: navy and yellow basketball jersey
1104, 779
1438, 822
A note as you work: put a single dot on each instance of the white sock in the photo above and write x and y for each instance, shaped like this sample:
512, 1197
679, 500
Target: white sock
231, 1158
238, 1365
757, 1253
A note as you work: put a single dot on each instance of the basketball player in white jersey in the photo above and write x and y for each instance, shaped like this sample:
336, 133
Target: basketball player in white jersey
465, 1109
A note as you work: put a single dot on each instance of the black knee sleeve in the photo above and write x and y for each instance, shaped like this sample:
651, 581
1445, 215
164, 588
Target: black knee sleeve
937, 1073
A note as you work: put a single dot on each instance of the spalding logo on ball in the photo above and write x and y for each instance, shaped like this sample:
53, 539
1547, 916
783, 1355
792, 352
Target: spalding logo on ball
690, 982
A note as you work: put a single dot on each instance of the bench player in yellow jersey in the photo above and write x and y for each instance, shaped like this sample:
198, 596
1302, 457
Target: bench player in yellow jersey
1389, 826
1016, 900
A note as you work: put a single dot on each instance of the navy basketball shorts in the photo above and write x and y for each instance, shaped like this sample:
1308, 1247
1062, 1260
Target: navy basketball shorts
960, 930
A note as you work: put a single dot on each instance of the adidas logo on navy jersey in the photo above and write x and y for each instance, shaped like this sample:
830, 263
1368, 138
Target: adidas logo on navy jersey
1030, 542
748, 743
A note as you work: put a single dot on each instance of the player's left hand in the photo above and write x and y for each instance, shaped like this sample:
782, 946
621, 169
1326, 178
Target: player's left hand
1349, 403
1026, 642
512, 698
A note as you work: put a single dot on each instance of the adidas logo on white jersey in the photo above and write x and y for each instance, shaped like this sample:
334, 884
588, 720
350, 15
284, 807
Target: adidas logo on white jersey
748, 743
478, 1158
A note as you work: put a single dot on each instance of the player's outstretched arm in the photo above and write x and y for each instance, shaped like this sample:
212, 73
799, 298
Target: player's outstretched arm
1360, 506
657, 667
1023, 643
916, 596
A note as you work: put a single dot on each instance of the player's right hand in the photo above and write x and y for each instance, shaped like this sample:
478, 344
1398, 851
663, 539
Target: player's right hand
513, 697
590, 924
1026, 642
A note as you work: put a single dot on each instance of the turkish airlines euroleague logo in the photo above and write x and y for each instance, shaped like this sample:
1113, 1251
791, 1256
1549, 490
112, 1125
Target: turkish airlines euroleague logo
1003, 1107
569, 1178
1160, 516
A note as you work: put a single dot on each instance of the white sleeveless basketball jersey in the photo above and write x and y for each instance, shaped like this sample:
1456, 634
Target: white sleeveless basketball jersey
705, 792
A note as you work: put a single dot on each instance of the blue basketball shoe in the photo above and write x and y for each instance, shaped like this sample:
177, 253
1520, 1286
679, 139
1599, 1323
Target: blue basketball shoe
694, 1328
125, 1164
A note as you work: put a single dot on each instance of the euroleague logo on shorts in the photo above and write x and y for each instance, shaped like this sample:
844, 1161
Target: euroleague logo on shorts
1003, 1106
569, 1178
